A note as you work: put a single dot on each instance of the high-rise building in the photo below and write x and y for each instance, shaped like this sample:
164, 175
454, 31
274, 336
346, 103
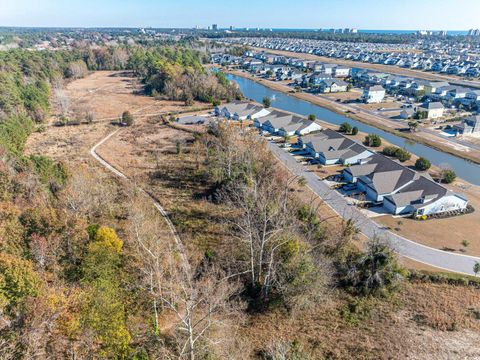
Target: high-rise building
214, 27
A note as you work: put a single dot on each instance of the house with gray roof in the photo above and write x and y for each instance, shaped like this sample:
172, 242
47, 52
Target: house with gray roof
283, 123
373, 94
468, 126
400, 189
332, 86
432, 110
423, 197
379, 176
241, 110
331, 147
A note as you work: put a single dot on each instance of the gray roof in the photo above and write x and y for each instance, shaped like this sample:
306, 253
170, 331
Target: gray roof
242, 108
432, 105
383, 174
190, 120
376, 88
333, 145
417, 192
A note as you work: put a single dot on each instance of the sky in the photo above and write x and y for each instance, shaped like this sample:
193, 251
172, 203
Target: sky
304, 14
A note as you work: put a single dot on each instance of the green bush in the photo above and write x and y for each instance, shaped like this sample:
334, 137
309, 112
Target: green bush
345, 128
448, 176
402, 155
373, 140
389, 150
422, 164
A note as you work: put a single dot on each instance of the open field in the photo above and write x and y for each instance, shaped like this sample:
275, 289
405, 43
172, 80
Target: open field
348, 95
108, 94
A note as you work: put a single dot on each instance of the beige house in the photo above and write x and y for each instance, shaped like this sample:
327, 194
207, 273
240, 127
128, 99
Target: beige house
432, 110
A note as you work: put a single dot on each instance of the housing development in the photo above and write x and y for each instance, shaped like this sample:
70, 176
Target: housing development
382, 180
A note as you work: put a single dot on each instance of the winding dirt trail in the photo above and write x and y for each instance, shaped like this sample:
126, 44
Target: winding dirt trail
158, 206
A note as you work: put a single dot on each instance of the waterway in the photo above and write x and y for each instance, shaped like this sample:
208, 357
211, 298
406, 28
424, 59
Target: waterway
253, 90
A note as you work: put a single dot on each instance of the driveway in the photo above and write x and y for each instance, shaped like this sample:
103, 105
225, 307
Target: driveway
434, 257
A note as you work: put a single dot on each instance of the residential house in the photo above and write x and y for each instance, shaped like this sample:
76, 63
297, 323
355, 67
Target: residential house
400, 189
431, 110
240, 110
469, 126
407, 113
373, 94
432, 86
332, 86
471, 98
423, 196
341, 71
330, 147
386, 177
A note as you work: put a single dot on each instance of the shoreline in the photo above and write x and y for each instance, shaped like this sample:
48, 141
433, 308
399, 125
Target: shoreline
364, 119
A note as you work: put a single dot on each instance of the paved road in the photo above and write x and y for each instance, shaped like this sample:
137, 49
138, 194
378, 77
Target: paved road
441, 259
111, 168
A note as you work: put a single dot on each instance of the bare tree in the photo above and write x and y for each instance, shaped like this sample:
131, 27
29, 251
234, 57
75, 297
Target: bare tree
201, 303
120, 58
61, 101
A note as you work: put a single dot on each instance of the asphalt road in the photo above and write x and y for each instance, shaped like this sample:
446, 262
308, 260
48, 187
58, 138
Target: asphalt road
434, 257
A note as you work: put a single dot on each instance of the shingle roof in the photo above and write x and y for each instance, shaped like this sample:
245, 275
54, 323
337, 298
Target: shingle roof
385, 176
417, 190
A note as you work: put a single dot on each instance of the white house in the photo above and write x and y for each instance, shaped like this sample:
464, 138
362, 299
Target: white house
423, 197
341, 71
407, 113
241, 110
469, 126
299, 126
330, 147
373, 94
400, 189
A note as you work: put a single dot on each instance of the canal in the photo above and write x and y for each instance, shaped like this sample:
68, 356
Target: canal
463, 168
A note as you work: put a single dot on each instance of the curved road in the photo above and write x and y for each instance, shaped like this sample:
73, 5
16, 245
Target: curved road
178, 242
437, 258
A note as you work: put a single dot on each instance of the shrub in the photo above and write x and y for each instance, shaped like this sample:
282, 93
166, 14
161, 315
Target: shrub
373, 140
422, 164
312, 117
267, 102
127, 118
402, 155
389, 150
17, 281
375, 271
354, 130
345, 128
448, 176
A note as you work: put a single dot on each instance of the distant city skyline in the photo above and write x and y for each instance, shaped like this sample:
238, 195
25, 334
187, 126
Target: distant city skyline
300, 14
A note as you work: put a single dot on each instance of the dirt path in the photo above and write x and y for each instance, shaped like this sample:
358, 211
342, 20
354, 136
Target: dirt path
158, 206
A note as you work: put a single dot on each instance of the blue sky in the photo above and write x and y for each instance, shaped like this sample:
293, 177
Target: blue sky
362, 14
